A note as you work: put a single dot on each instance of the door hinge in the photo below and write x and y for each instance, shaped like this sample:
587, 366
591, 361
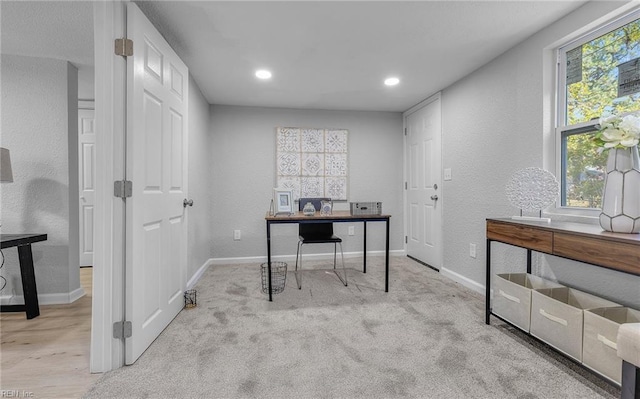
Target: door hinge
124, 47
122, 188
405, 131
405, 185
122, 329
406, 240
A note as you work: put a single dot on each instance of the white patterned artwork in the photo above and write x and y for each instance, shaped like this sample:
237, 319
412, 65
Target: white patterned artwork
532, 189
313, 162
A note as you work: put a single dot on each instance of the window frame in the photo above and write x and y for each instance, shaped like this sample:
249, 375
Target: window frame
563, 130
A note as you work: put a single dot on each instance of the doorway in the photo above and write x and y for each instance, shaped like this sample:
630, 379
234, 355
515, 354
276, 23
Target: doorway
87, 179
125, 235
423, 171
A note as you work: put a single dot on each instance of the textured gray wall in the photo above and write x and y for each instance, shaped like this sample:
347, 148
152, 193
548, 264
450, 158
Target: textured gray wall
494, 123
243, 162
200, 175
86, 86
39, 126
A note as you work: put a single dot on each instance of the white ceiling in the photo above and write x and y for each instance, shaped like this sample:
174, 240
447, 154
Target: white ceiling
60, 30
323, 54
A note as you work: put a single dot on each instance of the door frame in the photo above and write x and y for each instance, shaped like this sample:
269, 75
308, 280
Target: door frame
405, 176
107, 353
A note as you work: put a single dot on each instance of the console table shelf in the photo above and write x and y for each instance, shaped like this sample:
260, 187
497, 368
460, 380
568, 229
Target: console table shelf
575, 241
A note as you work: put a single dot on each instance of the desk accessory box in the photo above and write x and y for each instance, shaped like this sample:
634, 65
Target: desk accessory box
512, 296
557, 317
600, 339
366, 208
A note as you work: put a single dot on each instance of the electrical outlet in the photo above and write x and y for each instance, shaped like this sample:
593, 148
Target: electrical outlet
352, 230
237, 234
472, 250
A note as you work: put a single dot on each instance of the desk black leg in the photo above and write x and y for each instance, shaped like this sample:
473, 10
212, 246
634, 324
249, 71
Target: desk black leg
529, 261
487, 319
28, 281
386, 261
269, 259
364, 267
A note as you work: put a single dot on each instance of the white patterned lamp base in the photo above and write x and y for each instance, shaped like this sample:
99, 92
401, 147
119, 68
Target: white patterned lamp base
621, 195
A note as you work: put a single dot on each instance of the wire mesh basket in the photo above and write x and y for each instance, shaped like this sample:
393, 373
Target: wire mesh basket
190, 299
278, 277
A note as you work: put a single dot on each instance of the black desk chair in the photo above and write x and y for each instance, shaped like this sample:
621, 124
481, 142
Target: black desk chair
317, 233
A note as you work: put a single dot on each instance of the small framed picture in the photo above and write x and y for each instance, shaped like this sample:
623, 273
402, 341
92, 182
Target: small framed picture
325, 207
283, 201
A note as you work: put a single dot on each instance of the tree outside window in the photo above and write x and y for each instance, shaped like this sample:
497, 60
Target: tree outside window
589, 74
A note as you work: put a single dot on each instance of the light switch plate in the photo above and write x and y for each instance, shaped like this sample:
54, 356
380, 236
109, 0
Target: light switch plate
447, 174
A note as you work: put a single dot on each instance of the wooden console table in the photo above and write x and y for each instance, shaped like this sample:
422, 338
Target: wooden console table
23, 242
575, 241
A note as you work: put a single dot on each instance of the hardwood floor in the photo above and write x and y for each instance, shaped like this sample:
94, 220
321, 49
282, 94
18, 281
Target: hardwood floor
48, 357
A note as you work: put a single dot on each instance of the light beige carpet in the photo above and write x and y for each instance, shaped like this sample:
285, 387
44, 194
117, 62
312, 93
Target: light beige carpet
426, 338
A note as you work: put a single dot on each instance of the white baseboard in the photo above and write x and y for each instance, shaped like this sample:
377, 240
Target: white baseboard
465, 281
46, 299
288, 258
292, 258
76, 294
459, 278
198, 274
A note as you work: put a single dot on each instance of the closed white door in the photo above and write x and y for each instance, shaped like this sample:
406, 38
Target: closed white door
424, 171
156, 261
87, 177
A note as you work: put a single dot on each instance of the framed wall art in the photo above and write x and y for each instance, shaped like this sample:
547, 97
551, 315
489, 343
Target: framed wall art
313, 162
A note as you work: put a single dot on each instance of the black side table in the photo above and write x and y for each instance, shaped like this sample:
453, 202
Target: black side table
23, 242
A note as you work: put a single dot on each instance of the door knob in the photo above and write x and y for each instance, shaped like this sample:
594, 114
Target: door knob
187, 202
434, 197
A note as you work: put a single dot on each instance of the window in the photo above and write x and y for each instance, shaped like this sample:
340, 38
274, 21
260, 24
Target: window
599, 75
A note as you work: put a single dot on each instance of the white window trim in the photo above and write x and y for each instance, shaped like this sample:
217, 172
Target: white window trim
622, 17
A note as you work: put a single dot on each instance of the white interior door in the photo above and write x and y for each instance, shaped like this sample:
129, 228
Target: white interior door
87, 184
424, 171
157, 92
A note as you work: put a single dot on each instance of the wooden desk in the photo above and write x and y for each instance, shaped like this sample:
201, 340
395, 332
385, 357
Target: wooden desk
575, 241
23, 242
335, 217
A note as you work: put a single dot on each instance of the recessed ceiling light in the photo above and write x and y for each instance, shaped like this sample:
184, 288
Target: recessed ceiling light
391, 81
263, 74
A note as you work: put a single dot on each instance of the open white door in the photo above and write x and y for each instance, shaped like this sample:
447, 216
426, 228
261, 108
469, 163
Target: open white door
156, 261
87, 183
424, 170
